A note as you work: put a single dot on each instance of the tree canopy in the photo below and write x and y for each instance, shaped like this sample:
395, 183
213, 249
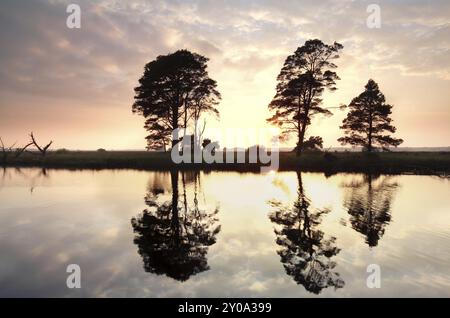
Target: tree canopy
302, 80
368, 122
174, 89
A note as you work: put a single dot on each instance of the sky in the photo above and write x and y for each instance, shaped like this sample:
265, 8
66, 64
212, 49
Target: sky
75, 86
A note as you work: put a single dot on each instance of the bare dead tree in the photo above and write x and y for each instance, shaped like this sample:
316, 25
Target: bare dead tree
21, 150
42, 150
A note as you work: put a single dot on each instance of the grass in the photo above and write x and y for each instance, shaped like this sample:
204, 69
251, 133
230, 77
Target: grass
331, 162
386, 162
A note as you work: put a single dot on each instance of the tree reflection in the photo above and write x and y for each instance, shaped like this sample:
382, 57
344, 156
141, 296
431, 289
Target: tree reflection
305, 252
369, 202
34, 179
172, 236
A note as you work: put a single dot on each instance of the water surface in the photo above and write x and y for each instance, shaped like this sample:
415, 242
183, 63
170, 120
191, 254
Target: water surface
224, 234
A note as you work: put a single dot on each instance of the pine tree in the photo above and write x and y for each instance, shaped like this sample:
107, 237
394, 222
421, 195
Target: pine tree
302, 80
368, 122
173, 89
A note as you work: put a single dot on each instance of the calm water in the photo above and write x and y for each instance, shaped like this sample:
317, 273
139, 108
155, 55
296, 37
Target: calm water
161, 234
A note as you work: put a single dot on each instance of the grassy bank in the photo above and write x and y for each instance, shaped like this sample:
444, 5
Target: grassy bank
389, 162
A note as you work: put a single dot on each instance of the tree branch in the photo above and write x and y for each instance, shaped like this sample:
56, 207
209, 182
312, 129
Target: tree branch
43, 150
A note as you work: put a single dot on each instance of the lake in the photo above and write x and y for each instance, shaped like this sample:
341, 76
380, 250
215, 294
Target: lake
223, 234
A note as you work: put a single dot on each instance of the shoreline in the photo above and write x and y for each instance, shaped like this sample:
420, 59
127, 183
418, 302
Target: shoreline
425, 163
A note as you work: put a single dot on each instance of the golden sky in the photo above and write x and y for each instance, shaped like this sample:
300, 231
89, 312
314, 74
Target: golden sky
75, 86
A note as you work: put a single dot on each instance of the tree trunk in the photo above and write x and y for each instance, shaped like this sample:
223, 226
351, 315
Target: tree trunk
302, 127
301, 137
369, 146
175, 224
300, 140
298, 151
184, 126
174, 125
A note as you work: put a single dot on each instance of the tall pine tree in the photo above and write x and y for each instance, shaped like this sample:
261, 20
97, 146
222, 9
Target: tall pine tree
173, 89
302, 80
368, 122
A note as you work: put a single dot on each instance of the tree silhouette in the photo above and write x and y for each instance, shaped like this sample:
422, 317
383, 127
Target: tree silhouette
42, 149
368, 120
174, 88
158, 137
368, 205
6, 151
313, 143
172, 237
206, 142
305, 253
206, 98
301, 83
